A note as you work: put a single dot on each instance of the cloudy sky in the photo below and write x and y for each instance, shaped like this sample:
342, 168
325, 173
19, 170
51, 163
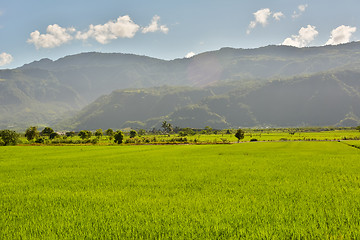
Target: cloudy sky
35, 29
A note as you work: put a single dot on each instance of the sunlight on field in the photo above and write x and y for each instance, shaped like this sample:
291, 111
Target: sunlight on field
276, 190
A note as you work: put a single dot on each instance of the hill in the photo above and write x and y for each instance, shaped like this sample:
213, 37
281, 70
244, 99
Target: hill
46, 91
321, 99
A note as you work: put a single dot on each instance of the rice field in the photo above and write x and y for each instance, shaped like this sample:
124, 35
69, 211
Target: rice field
260, 190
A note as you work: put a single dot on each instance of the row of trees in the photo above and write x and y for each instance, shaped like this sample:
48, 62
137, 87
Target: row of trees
8, 137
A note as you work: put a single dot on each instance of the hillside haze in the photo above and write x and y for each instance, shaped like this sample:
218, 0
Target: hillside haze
225, 88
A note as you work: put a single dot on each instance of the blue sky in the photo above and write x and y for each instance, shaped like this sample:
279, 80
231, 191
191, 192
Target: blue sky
35, 29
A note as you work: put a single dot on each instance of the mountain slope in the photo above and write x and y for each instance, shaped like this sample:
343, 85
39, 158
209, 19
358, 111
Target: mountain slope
315, 100
44, 91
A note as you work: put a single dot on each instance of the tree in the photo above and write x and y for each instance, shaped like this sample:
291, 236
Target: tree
118, 137
47, 131
358, 128
54, 135
70, 134
109, 132
240, 134
167, 127
8, 137
141, 132
85, 134
31, 133
208, 130
99, 133
133, 133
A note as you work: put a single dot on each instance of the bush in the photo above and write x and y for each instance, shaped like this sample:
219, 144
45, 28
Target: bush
40, 140
133, 133
8, 137
253, 140
118, 137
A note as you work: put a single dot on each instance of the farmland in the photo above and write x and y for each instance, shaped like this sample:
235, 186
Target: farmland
287, 189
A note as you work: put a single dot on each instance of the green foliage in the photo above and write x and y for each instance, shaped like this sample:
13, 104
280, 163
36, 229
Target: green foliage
70, 134
109, 132
8, 137
277, 190
133, 133
358, 128
141, 132
40, 140
118, 137
98, 133
240, 134
85, 134
167, 127
54, 135
47, 131
186, 132
31, 133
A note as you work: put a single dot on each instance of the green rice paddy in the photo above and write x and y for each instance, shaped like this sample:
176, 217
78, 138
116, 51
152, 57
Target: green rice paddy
262, 190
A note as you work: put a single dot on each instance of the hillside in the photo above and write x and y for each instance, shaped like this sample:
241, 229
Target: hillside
46, 91
321, 99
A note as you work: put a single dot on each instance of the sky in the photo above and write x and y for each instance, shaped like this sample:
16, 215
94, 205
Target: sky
167, 29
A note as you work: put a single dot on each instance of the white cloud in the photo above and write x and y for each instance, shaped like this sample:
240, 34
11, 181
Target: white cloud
306, 35
154, 26
262, 17
54, 37
190, 54
341, 35
301, 9
5, 58
278, 15
123, 27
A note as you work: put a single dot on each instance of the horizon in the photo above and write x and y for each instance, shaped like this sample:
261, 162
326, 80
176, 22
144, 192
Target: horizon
164, 30
180, 58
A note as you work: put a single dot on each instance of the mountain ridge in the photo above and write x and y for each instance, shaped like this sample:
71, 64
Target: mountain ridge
44, 91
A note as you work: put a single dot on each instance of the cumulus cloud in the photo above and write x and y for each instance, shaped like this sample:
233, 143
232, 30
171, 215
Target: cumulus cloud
190, 54
301, 10
278, 15
54, 37
306, 35
154, 26
262, 17
123, 27
341, 35
5, 58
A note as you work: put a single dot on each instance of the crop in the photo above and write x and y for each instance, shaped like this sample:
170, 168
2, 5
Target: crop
257, 190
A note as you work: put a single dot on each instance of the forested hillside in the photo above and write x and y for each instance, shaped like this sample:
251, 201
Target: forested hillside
46, 92
330, 99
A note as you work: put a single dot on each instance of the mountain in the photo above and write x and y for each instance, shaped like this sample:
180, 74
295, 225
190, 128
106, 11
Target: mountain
325, 99
46, 91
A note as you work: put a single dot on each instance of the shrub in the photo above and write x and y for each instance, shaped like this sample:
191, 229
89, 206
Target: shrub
133, 133
8, 137
118, 137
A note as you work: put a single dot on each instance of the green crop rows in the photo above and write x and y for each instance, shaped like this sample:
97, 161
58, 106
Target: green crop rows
262, 190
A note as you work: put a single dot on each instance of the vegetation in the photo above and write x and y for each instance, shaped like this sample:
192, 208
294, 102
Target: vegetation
118, 137
240, 134
272, 190
240, 92
31, 133
8, 137
85, 134
47, 131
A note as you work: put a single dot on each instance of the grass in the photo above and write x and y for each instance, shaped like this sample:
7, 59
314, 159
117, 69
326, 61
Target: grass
271, 190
